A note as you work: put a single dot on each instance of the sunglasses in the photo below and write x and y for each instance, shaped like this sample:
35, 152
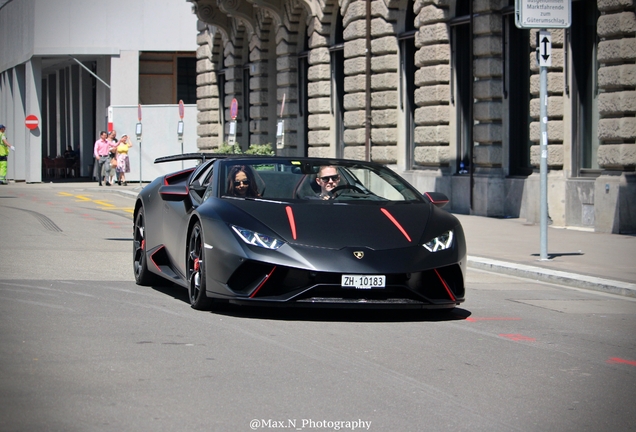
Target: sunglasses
333, 178
239, 182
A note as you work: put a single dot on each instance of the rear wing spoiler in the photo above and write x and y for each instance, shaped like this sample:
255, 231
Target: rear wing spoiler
201, 157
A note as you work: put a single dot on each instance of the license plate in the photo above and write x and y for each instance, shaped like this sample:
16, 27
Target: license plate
363, 281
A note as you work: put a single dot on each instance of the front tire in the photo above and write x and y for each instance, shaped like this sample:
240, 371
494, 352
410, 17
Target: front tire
196, 270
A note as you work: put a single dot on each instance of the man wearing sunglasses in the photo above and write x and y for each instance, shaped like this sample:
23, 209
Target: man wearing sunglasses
328, 178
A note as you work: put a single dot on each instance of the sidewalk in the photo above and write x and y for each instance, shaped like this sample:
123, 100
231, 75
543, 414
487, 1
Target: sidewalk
578, 258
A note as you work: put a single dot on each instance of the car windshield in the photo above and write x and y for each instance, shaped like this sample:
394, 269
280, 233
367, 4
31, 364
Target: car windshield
302, 179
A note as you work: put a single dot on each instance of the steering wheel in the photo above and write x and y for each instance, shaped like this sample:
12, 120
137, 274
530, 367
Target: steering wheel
335, 192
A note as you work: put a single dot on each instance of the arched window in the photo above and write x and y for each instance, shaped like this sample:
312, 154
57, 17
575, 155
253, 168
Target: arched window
462, 83
407, 82
516, 91
582, 37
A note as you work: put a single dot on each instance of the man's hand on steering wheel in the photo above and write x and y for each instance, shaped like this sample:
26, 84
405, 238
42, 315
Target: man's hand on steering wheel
335, 192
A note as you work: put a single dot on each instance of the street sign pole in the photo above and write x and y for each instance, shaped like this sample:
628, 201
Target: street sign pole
530, 14
138, 133
280, 128
543, 168
231, 139
544, 57
180, 128
139, 143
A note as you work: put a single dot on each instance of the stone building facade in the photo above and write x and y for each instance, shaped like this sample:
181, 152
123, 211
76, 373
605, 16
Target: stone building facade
446, 92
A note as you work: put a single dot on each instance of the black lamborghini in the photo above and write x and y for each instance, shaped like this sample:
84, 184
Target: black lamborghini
297, 231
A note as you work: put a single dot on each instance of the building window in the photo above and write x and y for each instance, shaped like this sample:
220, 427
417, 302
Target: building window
407, 82
187, 79
461, 84
303, 114
167, 77
516, 83
583, 40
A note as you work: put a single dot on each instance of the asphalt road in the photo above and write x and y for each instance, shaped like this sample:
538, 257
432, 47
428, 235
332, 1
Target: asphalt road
83, 348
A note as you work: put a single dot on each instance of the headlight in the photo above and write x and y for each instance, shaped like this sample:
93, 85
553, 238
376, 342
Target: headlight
440, 243
257, 239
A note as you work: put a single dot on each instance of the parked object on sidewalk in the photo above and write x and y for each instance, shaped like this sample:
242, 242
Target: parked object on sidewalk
376, 242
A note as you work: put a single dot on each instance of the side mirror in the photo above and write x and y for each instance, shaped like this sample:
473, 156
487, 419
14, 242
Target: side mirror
438, 199
173, 193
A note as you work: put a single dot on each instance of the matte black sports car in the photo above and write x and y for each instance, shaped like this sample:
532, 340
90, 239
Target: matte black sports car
297, 231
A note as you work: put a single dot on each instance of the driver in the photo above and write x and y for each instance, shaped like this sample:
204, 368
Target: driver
328, 178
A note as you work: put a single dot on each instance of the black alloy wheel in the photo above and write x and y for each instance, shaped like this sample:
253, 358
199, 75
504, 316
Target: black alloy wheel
196, 270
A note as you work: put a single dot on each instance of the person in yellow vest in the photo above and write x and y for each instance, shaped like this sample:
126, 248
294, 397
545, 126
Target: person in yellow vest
4, 152
123, 162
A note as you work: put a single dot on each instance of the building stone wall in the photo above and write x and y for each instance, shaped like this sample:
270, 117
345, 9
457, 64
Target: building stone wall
616, 81
617, 117
556, 108
268, 36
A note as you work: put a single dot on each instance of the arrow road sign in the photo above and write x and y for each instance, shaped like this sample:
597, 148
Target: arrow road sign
545, 48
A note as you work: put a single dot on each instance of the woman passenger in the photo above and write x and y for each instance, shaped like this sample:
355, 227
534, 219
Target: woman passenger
241, 182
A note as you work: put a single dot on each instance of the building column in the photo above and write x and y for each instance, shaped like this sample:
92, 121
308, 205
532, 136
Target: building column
615, 190
125, 78
208, 106
320, 118
33, 105
102, 95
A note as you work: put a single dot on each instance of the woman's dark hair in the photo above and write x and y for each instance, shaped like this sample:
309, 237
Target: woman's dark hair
252, 190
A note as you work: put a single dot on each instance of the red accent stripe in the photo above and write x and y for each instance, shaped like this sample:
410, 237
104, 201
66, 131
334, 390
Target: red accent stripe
518, 337
152, 257
448, 290
178, 173
395, 222
292, 223
262, 283
615, 360
432, 200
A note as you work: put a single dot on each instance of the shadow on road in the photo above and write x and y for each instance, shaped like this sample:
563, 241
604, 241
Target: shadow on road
328, 314
341, 314
321, 313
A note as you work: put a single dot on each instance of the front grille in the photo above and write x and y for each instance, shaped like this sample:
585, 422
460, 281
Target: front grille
268, 282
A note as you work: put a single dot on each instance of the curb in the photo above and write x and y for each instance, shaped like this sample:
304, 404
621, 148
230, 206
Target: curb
554, 276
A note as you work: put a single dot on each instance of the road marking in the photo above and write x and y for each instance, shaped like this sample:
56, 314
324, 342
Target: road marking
518, 337
616, 360
98, 202
103, 203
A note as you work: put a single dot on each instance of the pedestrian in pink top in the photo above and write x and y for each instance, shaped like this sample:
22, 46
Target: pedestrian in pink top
102, 147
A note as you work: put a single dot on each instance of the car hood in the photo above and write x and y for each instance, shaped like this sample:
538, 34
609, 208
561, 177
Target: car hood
335, 226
